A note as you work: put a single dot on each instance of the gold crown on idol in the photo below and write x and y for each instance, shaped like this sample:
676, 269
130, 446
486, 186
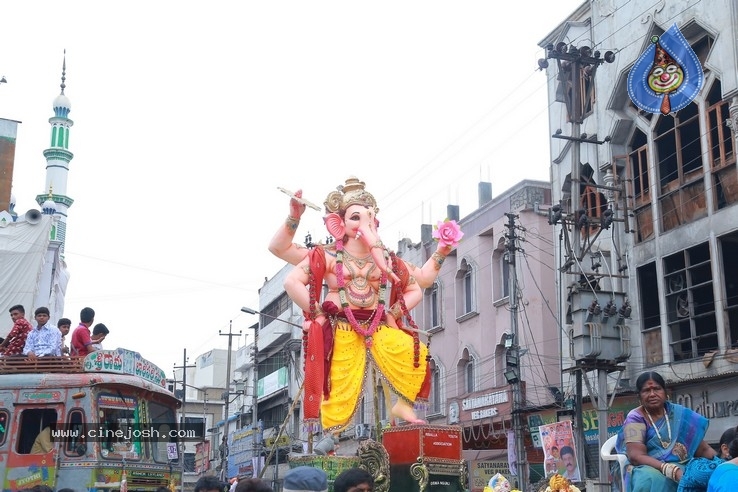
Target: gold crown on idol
350, 193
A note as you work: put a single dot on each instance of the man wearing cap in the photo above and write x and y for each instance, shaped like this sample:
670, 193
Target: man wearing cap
305, 479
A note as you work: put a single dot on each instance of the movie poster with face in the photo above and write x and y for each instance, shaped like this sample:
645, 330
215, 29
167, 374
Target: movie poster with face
559, 450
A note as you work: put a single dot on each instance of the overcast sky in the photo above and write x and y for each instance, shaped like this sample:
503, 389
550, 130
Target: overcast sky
188, 116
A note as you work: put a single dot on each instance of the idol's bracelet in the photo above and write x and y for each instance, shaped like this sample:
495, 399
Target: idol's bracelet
395, 310
291, 223
438, 258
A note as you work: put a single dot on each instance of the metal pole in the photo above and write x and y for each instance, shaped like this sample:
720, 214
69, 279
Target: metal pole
184, 404
522, 462
182, 416
255, 403
276, 465
579, 431
602, 411
226, 398
205, 456
575, 115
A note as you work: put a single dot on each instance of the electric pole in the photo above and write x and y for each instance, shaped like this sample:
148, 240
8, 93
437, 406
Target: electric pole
512, 357
255, 404
182, 422
577, 67
226, 398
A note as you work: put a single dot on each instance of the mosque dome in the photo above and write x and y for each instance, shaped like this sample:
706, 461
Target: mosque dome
49, 207
62, 105
62, 101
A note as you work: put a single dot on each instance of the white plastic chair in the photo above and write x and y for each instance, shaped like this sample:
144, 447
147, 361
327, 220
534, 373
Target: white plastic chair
607, 453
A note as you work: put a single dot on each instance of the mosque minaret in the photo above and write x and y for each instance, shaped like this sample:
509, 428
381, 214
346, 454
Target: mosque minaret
54, 200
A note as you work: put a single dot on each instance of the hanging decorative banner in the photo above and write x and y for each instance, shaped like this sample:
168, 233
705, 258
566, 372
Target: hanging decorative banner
667, 76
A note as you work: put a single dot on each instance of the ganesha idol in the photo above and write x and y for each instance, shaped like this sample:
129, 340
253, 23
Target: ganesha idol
363, 321
559, 483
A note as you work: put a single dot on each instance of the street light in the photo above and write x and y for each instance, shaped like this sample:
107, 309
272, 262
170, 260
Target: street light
254, 311
238, 392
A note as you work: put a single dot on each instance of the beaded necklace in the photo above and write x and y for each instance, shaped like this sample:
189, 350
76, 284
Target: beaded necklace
665, 444
376, 316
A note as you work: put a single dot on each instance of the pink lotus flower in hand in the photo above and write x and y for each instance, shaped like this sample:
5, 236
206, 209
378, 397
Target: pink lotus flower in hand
448, 233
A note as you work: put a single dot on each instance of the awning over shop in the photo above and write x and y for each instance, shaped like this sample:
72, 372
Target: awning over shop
230, 419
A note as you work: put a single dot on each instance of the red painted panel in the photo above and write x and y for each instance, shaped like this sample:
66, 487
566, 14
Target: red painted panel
405, 444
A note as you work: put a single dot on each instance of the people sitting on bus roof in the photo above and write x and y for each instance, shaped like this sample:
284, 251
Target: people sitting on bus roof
99, 332
64, 325
16, 339
81, 340
45, 339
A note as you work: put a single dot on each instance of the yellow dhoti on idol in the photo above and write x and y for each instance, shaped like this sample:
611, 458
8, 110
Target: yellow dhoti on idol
391, 351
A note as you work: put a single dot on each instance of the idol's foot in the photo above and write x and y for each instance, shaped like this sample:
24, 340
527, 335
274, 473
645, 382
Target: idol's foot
404, 411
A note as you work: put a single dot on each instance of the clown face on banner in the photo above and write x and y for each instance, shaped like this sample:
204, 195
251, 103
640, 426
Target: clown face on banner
667, 76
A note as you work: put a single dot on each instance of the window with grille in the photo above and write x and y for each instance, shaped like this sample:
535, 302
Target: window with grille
434, 399
432, 306
640, 185
722, 153
690, 303
679, 155
465, 290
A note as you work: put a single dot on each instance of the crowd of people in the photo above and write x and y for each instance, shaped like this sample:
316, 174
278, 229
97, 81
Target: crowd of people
47, 339
299, 479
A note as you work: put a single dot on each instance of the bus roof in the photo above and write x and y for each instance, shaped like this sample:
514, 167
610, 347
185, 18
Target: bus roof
37, 387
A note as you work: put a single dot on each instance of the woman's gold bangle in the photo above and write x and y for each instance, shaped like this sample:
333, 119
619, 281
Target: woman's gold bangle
669, 470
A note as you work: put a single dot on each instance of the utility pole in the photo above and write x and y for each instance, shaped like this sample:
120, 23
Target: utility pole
513, 357
577, 67
226, 397
255, 404
184, 368
205, 455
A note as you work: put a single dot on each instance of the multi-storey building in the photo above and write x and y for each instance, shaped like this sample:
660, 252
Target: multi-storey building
648, 207
476, 320
201, 387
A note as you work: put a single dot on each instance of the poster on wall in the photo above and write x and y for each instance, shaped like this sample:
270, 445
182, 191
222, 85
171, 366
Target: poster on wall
667, 76
559, 451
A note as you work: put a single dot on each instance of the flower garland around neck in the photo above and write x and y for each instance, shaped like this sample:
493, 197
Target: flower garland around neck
376, 317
